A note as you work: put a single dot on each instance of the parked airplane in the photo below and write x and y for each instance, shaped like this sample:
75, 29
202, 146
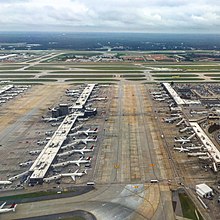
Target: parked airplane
182, 140
5, 182
42, 142
160, 99
198, 112
195, 148
77, 128
184, 129
11, 208
172, 119
52, 119
55, 124
77, 162
74, 94
81, 151
75, 174
197, 154
85, 141
48, 133
34, 152
25, 164
13, 178
72, 90
181, 149
82, 119
180, 122
87, 132
71, 145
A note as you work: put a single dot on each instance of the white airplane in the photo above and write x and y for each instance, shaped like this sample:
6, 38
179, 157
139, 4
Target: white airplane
180, 122
52, 119
5, 182
75, 94
13, 178
48, 133
87, 132
184, 129
72, 91
81, 151
181, 149
159, 99
76, 128
75, 174
98, 99
182, 140
199, 112
85, 141
82, 119
11, 208
157, 93
71, 145
41, 142
34, 152
170, 120
195, 148
55, 124
25, 164
84, 150
77, 162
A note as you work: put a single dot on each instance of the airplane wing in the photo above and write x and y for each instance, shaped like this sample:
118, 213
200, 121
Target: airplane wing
2, 205
76, 171
81, 152
84, 141
77, 163
73, 177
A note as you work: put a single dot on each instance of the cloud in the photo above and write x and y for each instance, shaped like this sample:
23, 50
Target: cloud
111, 15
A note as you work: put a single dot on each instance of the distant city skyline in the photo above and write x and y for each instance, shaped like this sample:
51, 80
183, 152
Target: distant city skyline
148, 16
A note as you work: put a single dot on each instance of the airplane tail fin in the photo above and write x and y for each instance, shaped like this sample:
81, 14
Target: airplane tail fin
13, 206
88, 158
92, 148
95, 129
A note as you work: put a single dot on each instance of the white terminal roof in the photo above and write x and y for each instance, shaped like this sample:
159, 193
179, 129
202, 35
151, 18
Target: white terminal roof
212, 149
177, 98
81, 101
204, 189
5, 88
173, 93
46, 157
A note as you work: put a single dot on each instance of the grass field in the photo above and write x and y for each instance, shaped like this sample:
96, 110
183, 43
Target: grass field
19, 72
89, 79
76, 76
188, 207
33, 80
96, 72
178, 79
45, 68
16, 76
175, 75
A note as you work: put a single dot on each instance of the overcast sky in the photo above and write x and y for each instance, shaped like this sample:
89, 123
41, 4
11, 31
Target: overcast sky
154, 16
